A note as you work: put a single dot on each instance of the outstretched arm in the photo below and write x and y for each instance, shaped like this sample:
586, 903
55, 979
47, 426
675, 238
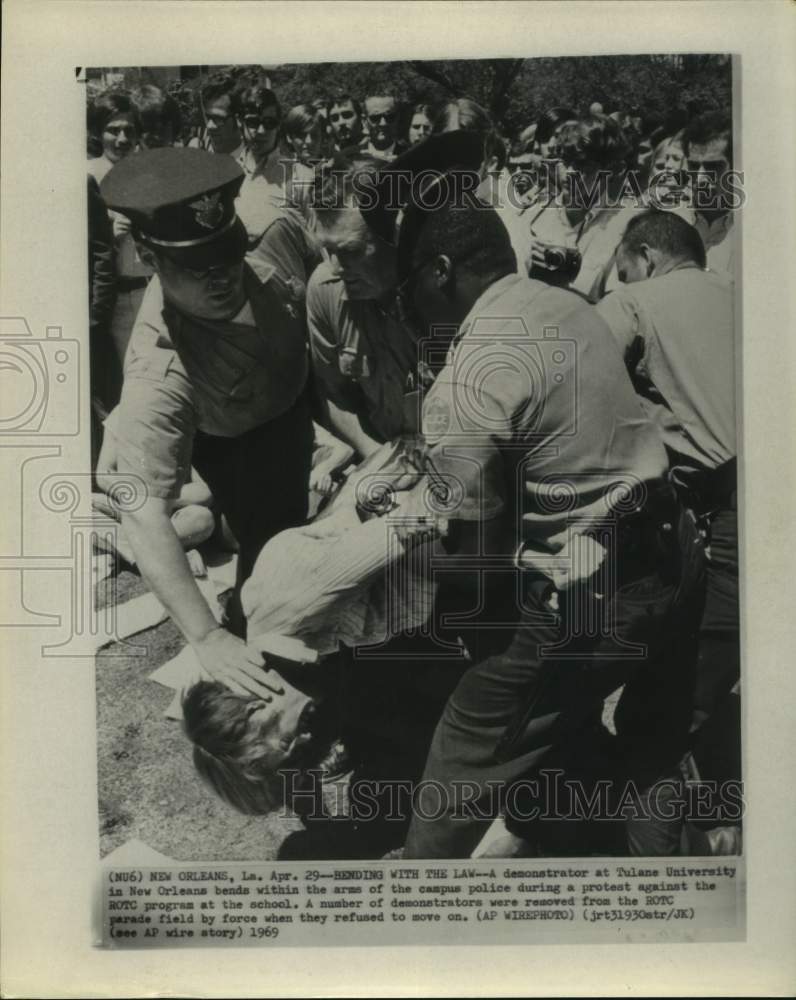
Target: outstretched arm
162, 562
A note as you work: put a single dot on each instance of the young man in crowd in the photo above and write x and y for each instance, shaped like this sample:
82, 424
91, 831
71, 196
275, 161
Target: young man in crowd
222, 132
345, 121
586, 218
707, 142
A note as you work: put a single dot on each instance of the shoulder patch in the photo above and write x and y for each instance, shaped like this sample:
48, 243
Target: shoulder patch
262, 270
154, 365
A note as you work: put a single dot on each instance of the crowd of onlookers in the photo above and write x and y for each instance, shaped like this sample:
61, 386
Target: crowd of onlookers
540, 181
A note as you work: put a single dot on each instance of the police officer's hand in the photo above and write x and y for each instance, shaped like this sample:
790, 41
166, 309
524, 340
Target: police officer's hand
321, 480
232, 663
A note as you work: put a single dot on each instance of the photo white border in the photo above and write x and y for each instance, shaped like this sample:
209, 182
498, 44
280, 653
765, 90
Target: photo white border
49, 831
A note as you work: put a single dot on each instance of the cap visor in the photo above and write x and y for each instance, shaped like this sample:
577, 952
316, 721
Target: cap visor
229, 248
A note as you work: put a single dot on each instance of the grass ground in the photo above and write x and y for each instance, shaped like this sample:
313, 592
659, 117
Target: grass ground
147, 785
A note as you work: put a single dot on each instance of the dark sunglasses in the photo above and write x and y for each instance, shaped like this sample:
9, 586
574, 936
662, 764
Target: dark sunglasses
253, 122
388, 117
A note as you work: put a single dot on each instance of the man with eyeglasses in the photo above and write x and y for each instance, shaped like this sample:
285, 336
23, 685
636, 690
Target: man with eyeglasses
382, 118
345, 121
272, 203
222, 133
215, 376
707, 143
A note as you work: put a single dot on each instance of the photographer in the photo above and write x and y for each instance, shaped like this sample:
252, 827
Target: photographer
574, 236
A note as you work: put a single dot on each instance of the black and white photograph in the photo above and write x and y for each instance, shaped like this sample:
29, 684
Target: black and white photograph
422, 377
396, 436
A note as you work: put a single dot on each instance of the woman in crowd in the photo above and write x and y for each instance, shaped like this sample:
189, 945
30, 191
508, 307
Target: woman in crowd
114, 124
303, 132
115, 120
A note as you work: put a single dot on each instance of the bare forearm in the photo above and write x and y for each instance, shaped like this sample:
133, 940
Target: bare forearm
162, 562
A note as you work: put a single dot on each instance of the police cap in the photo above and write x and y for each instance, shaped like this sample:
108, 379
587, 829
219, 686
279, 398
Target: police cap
181, 202
411, 181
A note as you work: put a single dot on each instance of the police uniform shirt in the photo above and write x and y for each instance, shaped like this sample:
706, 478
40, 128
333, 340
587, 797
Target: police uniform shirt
286, 244
223, 378
534, 414
363, 356
676, 332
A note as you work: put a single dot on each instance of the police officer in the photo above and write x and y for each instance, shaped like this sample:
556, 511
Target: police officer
587, 574
215, 375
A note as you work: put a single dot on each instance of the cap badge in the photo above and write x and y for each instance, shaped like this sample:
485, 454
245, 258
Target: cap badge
208, 210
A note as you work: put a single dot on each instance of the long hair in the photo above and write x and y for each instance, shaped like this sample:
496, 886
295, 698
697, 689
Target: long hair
228, 753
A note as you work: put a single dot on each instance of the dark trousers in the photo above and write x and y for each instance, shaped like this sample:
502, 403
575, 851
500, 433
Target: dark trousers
536, 688
719, 650
260, 481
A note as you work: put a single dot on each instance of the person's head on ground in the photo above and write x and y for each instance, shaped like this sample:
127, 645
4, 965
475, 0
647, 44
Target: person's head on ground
243, 744
114, 121
363, 260
655, 243
181, 204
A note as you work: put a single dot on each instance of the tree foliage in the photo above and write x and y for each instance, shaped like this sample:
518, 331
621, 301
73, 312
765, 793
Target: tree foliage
514, 91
